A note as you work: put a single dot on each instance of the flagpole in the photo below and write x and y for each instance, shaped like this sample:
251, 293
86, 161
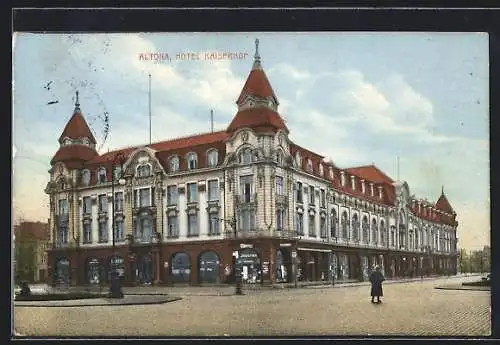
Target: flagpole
150, 129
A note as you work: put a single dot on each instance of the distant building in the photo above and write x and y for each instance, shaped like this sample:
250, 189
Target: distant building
189, 202
33, 235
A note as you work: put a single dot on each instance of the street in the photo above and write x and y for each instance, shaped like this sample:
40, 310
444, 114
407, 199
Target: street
413, 308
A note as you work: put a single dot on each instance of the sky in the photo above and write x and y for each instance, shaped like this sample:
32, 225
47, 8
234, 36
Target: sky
357, 98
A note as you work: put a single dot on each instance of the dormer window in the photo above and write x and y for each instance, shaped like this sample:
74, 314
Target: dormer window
86, 177
380, 192
342, 179
101, 175
330, 172
117, 173
213, 158
246, 156
371, 189
353, 183
309, 166
174, 164
192, 161
67, 141
363, 188
143, 170
321, 172
297, 159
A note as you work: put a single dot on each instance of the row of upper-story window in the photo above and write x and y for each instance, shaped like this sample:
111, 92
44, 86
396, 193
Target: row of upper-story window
246, 156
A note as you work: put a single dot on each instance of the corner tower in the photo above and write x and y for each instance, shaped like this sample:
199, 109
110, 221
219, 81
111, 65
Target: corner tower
76, 143
257, 103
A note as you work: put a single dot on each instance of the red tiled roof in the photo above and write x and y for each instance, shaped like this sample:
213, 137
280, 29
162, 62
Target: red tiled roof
370, 173
77, 128
73, 155
259, 119
34, 230
444, 205
257, 85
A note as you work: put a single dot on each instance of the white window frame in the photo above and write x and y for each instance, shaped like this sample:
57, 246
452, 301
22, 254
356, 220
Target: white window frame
100, 173
280, 187
173, 226
211, 161
173, 163
188, 192
171, 202
190, 224
211, 197
192, 161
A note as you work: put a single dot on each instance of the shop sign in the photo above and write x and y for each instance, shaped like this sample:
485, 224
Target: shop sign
285, 244
243, 245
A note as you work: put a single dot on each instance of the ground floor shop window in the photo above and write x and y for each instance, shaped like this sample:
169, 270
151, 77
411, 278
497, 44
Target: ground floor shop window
61, 272
144, 269
181, 268
208, 264
93, 271
116, 263
343, 267
281, 270
250, 266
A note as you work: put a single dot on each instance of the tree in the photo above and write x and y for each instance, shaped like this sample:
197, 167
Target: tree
25, 255
463, 260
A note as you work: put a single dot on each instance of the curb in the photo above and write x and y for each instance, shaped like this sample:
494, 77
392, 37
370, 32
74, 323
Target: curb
101, 304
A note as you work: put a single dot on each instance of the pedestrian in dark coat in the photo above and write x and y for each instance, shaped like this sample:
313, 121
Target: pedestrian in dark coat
376, 279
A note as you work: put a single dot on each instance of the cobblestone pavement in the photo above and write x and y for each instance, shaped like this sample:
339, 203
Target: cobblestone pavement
414, 308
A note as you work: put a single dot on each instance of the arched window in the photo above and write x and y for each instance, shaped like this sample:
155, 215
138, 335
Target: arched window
344, 224
383, 236
181, 268
143, 170
309, 166
333, 224
366, 231
355, 227
213, 158
101, 175
86, 177
245, 156
174, 164
374, 231
208, 263
192, 161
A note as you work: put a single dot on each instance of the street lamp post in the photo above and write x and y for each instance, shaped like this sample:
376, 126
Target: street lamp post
237, 274
115, 290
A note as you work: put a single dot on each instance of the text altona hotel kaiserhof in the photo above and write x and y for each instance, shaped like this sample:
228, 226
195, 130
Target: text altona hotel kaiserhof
183, 206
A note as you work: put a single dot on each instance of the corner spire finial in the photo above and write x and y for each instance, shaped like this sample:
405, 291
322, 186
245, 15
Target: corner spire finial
257, 56
77, 102
442, 189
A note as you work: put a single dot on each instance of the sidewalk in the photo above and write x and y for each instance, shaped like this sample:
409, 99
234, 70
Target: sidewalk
226, 290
